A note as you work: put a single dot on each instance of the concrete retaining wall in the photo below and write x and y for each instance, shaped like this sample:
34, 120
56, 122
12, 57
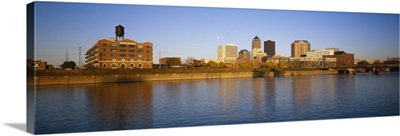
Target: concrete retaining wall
81, 79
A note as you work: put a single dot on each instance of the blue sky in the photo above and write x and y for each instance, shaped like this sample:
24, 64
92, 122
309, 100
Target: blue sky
192, 32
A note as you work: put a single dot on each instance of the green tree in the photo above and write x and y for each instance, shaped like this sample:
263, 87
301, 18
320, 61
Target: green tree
68, 64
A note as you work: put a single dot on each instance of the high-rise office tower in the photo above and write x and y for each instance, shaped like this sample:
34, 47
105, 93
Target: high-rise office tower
227, 53
255, 47
269, 48
300, 48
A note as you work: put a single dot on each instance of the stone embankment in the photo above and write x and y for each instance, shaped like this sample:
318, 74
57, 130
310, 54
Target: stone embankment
83, 79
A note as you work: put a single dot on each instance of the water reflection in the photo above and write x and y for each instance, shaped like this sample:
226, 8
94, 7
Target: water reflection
228, 98
134, 105
270, 97
301, 91
125, 105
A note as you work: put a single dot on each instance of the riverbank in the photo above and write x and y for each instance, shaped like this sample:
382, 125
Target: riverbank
81, 77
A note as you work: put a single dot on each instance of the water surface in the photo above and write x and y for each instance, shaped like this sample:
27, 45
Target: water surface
157, 104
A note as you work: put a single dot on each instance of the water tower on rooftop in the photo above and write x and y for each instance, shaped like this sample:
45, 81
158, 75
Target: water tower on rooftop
119, 32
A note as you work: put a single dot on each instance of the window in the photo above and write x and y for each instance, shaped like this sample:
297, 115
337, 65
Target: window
148, 47
131, 46
104, 44
113, 45
104, 65
140, 46
148, 55
131, 55
148, 51
148, 65
113, 50
122, 55
123, 66
131, 65
122, 45
113, 66
104, 49
122, 50
148, 60
140, 51
113, 55
131, 50
140, 55
114, 59
140, 65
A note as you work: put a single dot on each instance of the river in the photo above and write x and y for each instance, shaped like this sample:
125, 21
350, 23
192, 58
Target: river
160, 104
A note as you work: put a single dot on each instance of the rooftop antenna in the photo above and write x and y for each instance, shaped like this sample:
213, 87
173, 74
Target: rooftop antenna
66, 55
79, 64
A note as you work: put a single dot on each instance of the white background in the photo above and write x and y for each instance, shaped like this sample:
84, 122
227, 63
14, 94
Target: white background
13, 75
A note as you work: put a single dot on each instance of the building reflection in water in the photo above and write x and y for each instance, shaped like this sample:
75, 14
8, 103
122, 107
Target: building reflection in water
257, 85
301, 91
270, 97
122, 105
228, 98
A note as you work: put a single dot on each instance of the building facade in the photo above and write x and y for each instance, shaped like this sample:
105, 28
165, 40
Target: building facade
320, 52
122, 54
312, 62
300, 48
244, 55
170, 61
269, 48
343, 59
255, 46
36, 64
227, 53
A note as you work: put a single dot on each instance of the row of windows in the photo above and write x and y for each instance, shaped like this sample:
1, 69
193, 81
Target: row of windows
123, 66
124, 46
126, 59
124, 55
124, 50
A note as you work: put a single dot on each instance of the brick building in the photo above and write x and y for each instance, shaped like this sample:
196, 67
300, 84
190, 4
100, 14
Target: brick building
343, 59
123, 54
170, 61
36, 64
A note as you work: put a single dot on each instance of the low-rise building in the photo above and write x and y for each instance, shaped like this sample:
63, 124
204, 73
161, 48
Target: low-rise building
170, 62
36, 64
309, 62
343, 59
122, 54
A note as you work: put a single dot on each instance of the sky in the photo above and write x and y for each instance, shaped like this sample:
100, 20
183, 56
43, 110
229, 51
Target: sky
197, 32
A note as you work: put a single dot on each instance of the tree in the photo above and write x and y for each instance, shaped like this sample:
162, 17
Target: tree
246, 65
189, 61
271, 64
285, 64
222, 65
212, 64
362, 63
68, 64
377, 62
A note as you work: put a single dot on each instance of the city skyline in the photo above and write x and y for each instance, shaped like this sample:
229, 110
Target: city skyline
197, 32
